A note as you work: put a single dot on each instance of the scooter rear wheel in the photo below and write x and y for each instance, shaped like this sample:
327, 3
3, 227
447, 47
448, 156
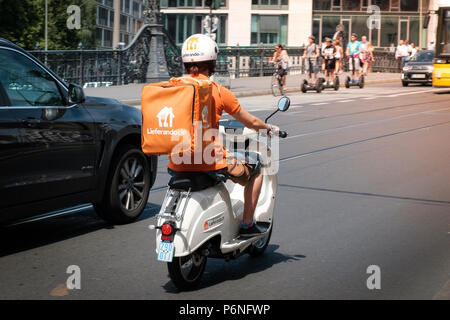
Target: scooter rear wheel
258, 248
186, 272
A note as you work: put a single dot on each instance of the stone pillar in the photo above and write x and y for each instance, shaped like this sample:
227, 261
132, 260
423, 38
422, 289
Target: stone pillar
157, 68
116, 29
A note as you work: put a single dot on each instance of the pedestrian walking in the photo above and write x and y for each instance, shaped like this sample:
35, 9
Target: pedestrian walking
367, 58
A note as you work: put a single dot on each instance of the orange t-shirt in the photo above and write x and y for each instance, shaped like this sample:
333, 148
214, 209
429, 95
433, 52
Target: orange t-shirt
222, 100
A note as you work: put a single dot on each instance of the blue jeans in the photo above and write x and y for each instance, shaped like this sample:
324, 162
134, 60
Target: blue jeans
404, 60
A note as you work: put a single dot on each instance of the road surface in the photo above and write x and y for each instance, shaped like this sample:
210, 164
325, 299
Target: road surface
363, 181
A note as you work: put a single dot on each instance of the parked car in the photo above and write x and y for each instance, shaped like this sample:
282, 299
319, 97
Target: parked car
59, 148
419, 68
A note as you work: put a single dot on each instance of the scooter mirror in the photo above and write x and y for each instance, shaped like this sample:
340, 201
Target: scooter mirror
283, 104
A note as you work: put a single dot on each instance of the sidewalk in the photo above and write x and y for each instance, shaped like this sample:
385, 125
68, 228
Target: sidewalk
241, 87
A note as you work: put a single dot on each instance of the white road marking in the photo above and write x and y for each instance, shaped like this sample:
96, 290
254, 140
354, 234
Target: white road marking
343, 101
370, 98
413, 92
319, 104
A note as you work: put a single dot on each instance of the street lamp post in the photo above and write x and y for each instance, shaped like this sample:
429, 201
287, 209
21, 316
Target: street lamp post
157, 68
46, 25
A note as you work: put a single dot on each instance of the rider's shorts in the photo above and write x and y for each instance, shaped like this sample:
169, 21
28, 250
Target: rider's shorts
330, 64
357, 64
311, 63
238, 171
282, 72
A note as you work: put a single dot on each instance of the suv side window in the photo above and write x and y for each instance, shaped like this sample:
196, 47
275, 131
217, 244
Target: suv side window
25, 83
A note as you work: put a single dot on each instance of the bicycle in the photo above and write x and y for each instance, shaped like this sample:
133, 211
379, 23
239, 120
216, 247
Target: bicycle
277, 84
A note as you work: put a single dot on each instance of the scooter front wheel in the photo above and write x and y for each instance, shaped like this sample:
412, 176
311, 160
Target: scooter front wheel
186, 272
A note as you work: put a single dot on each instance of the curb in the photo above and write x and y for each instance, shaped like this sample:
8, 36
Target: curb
254, 93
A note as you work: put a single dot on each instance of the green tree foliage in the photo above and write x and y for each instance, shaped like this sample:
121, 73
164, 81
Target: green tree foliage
23, 22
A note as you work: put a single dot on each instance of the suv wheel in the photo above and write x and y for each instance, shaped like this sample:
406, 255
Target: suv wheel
127, 187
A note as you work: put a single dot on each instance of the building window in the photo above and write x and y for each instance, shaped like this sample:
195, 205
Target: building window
269, 29
329, 24
409, 5
188, 3
389, 31
382, 4
102, 16
99, 36
322, 5
414, 30
316, 29
107, 38
181, 26
359, 26
270, 4
123, 22
351, 5
135, 9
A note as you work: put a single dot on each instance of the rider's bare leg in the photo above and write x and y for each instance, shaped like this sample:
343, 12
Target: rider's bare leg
251, 195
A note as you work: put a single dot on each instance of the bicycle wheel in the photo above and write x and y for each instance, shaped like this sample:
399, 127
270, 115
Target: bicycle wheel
275, 86
280, 85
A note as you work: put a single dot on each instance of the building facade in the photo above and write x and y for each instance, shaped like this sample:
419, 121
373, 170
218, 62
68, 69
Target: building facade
118, 21
290, 22
242, 22
268, 22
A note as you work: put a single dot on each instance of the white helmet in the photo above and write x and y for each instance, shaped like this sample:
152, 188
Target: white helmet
199, 47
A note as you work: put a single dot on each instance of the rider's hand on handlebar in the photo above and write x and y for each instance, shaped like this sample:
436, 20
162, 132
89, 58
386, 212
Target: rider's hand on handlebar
272, 129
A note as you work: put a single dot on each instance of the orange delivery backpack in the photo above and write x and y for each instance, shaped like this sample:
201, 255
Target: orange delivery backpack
171, 114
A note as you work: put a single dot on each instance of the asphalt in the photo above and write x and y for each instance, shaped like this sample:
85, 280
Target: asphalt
363, 181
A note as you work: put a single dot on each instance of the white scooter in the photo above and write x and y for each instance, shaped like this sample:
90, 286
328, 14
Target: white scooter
201, 213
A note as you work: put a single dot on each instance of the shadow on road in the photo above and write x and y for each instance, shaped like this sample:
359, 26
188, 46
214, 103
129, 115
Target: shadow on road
26, 236
218, 271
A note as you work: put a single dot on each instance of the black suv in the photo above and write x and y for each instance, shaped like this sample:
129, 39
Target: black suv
59, 148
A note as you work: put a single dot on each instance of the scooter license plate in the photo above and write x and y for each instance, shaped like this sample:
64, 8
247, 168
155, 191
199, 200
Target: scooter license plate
165, 251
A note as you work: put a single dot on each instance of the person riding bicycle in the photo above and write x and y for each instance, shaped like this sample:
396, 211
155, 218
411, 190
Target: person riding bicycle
199, 54
329, 54
281, 59
310, 56
353, 51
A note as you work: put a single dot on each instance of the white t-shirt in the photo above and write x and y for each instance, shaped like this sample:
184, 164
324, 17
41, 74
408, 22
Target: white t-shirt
402, 51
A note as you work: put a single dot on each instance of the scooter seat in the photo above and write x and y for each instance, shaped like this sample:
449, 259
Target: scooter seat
195, 181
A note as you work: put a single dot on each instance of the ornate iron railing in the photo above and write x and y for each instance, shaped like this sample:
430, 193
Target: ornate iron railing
240, 62
130, 64
120, 66
385, 62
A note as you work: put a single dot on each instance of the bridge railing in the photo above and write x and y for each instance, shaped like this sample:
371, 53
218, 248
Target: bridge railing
130, 64
119, 66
